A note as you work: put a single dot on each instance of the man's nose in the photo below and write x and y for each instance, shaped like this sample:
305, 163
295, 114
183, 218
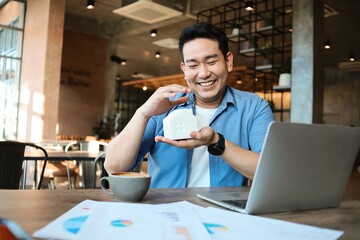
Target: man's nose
204, 71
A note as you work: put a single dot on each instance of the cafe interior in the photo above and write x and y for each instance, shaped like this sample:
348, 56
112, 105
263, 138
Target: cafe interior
78, 70
73, 73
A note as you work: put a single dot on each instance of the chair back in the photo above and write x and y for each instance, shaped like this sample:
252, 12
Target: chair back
98, 160
11, 164
86, 168
11, 161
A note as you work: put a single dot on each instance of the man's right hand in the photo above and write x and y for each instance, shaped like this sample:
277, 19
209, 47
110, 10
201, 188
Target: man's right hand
160, 103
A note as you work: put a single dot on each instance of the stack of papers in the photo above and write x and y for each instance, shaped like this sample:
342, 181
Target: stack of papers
176, 221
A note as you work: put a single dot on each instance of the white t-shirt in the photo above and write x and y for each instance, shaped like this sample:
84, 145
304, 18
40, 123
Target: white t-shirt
199, 167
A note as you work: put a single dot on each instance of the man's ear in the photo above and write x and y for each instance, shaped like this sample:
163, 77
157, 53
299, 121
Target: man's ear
229, 61
182, 66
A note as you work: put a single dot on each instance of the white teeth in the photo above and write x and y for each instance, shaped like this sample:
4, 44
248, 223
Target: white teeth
205, 84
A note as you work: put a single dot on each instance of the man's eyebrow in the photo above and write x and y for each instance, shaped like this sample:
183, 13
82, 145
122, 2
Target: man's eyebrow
206, 57
190, 60
211, 56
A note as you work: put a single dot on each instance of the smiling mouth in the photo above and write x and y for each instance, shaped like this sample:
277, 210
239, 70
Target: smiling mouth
207, 84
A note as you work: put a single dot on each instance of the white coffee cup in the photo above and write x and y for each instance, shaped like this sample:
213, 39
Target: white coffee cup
127, 186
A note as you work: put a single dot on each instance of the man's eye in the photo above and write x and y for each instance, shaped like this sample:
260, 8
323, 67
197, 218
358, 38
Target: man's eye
192, 66
211, 63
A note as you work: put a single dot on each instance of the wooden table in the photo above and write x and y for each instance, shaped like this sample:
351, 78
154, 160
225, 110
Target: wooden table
62, 155
33, 209
35, 155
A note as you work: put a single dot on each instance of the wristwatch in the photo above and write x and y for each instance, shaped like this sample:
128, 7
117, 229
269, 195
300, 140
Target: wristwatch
217, 148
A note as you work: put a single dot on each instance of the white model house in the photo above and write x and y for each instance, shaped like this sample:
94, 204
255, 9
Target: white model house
179, 123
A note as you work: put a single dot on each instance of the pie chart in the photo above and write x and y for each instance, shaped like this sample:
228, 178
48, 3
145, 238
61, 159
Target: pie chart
73, 225
121, 223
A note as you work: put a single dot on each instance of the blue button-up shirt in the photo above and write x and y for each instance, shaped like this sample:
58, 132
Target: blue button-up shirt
242, 118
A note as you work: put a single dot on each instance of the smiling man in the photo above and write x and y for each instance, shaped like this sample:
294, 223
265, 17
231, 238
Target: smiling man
232, 123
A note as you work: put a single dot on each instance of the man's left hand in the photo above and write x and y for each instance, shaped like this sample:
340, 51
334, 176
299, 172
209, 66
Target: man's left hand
205, 136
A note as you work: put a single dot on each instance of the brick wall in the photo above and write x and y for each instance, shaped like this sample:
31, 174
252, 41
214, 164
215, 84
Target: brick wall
40, 71
82, 83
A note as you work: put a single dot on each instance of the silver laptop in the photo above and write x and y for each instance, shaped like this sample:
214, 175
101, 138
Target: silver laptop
302, 166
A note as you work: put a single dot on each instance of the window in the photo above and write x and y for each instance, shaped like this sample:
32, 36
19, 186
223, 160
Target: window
11, 32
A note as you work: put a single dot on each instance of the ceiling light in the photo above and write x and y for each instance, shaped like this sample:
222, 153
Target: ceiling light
90, 4
352, 58
153, 33
249, 6
327, 45
144, 88
157, 55
123, 62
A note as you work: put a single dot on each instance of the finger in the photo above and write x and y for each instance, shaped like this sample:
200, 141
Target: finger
168, 95
179, 101
174, 88
186, 143
159, 139
195, 134
171, 92
166, 140
179, 88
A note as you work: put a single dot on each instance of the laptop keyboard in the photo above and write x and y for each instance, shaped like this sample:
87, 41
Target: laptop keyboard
241, 203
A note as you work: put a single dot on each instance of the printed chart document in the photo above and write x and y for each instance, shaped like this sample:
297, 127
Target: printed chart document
111, 220
68, 225
143, 221
224, 224
176, 221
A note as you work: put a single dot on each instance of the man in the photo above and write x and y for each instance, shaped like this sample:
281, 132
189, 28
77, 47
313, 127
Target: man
233, 123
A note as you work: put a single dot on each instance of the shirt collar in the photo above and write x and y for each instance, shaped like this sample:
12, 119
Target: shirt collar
227, 99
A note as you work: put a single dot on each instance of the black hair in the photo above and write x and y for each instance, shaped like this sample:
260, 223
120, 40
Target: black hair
204, 30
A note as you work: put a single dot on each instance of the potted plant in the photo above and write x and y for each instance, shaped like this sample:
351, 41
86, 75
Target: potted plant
104, 129
267, 50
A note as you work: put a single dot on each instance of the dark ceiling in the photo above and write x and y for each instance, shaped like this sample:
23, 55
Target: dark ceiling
343, 30
135, 44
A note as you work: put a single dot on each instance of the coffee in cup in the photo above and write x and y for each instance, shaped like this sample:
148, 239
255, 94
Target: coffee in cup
127, 186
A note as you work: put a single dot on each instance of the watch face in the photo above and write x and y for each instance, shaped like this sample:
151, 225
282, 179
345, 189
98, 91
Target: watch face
217, 148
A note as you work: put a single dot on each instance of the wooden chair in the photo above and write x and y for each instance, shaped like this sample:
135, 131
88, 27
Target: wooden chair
98, 163
12, 169
59, 170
